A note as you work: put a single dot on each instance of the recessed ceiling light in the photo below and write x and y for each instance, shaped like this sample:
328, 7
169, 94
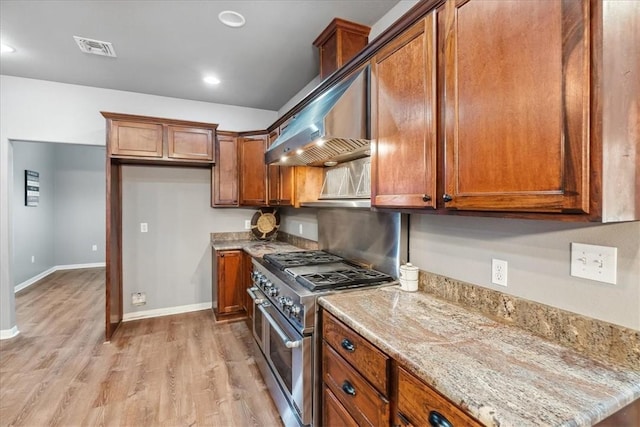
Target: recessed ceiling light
231, 19
211, 80
5, 48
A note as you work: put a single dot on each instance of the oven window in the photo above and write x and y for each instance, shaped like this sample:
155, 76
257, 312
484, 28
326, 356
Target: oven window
281, 358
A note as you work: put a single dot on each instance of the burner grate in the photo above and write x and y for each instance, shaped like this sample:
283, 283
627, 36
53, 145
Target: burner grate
342, 279
284, 260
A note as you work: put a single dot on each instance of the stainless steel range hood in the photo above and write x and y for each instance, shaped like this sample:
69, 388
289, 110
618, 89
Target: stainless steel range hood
332, 128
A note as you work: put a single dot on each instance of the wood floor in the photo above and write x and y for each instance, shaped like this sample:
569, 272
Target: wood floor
182, 370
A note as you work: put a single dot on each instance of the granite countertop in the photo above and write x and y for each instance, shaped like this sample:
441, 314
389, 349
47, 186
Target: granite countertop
255, 248
500, 374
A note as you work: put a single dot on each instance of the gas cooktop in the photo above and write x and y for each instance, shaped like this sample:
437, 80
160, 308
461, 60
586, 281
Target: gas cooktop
319, 270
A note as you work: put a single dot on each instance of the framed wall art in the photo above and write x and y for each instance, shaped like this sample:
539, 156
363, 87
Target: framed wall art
31, 188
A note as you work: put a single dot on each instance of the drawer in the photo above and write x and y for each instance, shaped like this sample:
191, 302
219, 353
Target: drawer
360, 353
335, 415
365, 404
416, 400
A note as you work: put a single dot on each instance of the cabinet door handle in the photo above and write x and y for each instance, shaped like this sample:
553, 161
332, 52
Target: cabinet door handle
426, 198
348, 345
348, 388
447, 197
436, 419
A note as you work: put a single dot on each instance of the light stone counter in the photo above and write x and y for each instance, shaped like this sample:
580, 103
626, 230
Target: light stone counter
255, 248
500, 374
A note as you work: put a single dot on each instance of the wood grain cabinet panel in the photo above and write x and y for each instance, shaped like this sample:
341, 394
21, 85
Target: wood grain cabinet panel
281, 178
403, 163
334, 414
190, 143
418, 404
154, 140
516, 105
338, 43
229, 282
253, 170
224, 185
365, 404
364, 356
135, 139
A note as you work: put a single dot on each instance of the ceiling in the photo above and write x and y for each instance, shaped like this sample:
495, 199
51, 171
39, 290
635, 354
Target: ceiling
166, 47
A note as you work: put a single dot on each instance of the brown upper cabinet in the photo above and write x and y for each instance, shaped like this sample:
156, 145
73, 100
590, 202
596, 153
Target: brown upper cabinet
403, 94
516, 105
340, 42
253, 170
281, 178
224, 185
509, 108
158, 140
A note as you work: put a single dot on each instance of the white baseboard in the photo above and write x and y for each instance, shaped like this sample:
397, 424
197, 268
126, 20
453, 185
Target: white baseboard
77, 266
34, 279
158, 312
5, 334
53, 269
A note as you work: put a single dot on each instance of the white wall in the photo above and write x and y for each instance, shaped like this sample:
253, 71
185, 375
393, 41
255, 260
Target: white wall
538, 256
36, 110
171, 263
33, 225
307, 218
79, 205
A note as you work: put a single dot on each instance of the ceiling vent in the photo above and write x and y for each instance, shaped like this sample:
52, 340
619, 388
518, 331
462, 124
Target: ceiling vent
95, 47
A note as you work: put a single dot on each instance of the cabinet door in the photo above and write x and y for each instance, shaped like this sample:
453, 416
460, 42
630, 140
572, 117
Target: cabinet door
189, 143
230, 281
225, 172
135, 139
516, 105
248, 302
253, 171
403, 161
281, 184
418, 405
334, 414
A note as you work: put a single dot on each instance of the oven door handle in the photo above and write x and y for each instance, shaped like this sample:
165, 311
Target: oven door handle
283, 336
254, 297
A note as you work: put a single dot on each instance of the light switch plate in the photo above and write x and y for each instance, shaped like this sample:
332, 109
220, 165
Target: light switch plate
247, 224
594, 262
144, 227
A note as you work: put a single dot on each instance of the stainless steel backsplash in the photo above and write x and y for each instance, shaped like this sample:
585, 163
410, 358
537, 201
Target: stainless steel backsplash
379, 239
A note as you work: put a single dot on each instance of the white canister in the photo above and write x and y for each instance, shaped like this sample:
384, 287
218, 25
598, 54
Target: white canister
409, 277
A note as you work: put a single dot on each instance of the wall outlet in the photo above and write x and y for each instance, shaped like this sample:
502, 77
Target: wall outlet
144, 227
300, 228
33, 259
94, 248
499, 270
247, 224
593, 262
138, 298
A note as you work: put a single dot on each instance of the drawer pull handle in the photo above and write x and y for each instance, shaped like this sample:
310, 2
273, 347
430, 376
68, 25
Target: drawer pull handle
348, 345
436, 419
348, 388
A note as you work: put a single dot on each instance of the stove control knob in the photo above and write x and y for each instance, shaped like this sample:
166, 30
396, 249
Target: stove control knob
281, 301
272, 291
295, 310
267, 285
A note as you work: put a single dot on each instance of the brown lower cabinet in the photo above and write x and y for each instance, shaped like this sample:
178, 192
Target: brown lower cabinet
362, 386
229, 282
420, 405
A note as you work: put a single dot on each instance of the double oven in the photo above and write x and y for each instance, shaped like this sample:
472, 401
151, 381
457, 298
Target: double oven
284, 293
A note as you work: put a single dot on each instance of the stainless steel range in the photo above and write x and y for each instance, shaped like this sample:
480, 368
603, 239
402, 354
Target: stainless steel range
285, 289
